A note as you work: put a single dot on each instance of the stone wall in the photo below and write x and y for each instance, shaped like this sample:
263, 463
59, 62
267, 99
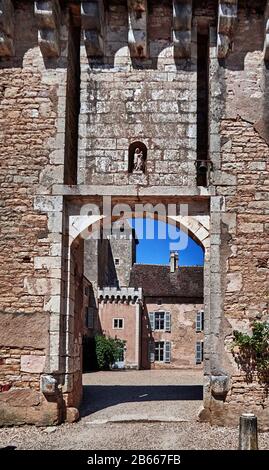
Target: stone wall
239, 100
123, 101
32, 117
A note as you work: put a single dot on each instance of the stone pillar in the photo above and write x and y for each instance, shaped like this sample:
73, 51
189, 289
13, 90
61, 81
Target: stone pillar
248, 436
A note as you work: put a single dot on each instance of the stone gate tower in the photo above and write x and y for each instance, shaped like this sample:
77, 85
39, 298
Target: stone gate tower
135, 102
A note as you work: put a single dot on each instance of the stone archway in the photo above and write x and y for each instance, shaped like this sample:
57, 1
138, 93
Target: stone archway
197, 226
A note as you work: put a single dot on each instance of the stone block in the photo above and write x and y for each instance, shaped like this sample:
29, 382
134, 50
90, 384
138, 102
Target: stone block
48, 385
234, 282
220, 385
42, 286
48, 203
32, 364
250, 227
20, 398
34, 327
72, 415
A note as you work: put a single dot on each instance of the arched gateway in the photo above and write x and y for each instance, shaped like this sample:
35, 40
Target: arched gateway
132, 103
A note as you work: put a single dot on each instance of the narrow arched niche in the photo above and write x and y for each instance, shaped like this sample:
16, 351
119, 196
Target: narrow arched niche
137, 157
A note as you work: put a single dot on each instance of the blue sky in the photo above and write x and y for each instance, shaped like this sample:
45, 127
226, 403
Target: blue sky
164, 237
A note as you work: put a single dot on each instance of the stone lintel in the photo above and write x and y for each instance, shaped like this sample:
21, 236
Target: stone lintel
6, 28
181, 32
137, 28
227, 17
132, 190
92, 21
48, 16
124, 294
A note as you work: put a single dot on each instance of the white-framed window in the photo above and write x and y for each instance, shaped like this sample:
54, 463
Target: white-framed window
199, 353
162, 351
89, 317
118, 323
160, 321
117, 261
200, 321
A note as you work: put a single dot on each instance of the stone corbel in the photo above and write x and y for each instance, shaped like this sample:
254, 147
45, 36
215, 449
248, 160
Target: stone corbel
48, 14
6, 28
48, 385
181, 33
92, 21
227, 17
266, 39
220, 385
137, 28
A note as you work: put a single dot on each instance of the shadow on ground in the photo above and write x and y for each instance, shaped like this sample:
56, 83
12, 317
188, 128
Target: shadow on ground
99, 397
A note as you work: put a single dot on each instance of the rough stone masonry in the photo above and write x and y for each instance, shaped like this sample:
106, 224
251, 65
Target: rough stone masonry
81, 83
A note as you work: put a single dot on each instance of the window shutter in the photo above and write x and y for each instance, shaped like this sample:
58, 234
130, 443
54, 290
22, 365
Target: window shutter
151, 351
167, 352
198, 322
199, 352
90, 311
152, 320
167, 321
86, 316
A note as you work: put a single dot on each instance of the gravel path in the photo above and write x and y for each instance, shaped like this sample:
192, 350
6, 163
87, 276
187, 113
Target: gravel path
168, 436
133, 395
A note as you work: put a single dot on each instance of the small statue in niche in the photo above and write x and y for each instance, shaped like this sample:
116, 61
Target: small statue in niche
139, 162
137, 157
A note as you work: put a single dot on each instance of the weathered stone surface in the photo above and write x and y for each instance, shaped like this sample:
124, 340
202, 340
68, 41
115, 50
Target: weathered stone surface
48, 385
227, 16
20, 397
182, 25
33, 364
72, 415
220, 385
34, 327
137, 28
93, 20
151, 98
48, 18
234, 282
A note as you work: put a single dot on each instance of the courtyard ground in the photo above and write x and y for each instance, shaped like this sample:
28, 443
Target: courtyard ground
133, 410
165, 395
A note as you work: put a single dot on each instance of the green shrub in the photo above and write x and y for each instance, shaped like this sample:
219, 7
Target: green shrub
252, 351
107, 351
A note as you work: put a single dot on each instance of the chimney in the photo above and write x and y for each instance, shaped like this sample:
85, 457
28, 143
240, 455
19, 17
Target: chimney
173, 261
